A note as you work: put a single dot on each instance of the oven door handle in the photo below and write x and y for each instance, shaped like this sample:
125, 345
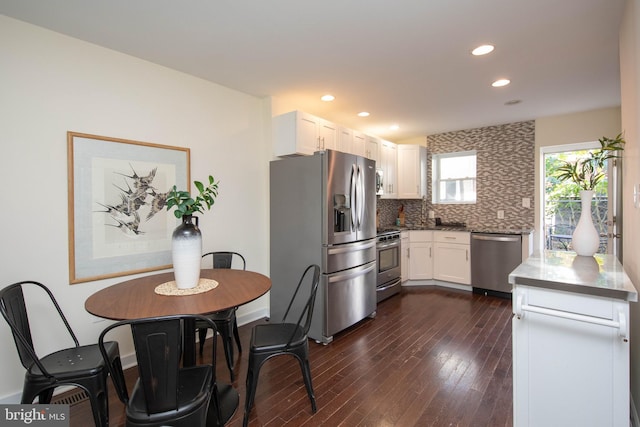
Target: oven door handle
388, 245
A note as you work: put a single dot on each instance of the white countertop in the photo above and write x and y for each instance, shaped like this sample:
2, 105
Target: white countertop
600, 275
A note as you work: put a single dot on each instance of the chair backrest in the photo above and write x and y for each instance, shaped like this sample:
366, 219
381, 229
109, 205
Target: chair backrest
158, 346
224, 259
14, 310
304, 321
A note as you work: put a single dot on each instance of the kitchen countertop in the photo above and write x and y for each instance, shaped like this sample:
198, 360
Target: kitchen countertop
600, 275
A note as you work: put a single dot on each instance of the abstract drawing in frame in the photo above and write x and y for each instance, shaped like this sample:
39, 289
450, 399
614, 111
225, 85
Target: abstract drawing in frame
118, 223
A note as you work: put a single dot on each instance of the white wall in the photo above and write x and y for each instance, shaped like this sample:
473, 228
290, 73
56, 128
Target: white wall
50, 84
630, 91
574, 128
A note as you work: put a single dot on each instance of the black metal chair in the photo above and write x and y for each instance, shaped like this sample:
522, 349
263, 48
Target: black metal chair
225, 321
274, 339
165, 393
78, 366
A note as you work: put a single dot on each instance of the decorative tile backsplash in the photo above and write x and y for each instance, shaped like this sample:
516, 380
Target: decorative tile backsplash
505, 175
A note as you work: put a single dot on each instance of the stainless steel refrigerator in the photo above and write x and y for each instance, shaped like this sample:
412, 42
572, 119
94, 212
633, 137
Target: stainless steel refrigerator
323, 212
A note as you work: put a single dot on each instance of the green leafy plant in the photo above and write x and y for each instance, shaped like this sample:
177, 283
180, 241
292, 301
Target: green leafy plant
588, 171
187, 205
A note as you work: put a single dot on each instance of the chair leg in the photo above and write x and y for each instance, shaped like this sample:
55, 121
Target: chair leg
236, 334
45, 396
306, 375
253, 372
228, 350
202, 335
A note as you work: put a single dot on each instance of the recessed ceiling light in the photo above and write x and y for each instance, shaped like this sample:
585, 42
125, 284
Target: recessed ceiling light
394, 127
482, 50
513, 102
328, 98
363, 114
501, 82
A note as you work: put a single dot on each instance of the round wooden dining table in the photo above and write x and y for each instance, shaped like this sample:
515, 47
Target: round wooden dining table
136, 298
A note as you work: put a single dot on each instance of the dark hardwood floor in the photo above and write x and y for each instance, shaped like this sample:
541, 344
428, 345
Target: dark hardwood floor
431, 357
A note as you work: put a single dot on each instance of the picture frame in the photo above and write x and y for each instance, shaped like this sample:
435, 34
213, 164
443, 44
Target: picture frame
118, 222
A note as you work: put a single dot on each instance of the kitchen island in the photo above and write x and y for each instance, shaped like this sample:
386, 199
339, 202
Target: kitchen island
571, 340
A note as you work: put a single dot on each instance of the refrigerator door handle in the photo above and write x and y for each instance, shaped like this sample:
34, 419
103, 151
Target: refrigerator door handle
351, 247
350, 274
360, 198
352, 193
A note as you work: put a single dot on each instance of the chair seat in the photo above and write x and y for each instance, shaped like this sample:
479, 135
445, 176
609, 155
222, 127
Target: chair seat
220, 316
193, 392
270, 337
67, 364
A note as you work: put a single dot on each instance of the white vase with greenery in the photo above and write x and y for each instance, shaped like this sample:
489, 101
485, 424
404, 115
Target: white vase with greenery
585, 239
186, 241
587, 172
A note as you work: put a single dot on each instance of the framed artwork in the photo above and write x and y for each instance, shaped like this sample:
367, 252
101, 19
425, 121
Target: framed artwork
118, 222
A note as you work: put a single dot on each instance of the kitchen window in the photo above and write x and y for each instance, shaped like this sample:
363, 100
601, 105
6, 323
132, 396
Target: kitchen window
454, 177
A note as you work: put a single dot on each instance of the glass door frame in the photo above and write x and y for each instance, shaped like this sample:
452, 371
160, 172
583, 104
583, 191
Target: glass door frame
614, 186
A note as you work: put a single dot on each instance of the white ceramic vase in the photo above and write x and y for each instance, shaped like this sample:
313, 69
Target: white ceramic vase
186, 253
585, 239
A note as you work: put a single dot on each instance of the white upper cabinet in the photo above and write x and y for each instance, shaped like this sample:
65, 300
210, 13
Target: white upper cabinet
412, 171
388, 164
301, 133
345, 140
358, 144
372, 149
327, 135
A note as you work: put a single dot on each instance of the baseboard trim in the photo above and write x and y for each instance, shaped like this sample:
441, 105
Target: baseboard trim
440, 283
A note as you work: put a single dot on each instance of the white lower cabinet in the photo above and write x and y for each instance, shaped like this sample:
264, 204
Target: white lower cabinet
569, 370
452, 256
420, 255
404, 256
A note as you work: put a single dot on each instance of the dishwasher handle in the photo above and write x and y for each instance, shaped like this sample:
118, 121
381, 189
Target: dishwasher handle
495, 237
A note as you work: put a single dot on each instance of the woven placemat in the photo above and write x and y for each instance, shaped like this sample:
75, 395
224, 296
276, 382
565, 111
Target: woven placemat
170, 288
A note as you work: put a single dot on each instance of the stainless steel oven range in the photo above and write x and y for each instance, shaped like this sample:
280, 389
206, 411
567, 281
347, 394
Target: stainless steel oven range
388, 249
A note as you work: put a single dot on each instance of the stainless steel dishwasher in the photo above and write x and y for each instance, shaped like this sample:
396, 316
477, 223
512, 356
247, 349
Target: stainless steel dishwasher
493, 257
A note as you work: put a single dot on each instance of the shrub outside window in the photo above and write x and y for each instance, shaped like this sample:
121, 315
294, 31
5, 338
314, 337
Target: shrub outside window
454, 177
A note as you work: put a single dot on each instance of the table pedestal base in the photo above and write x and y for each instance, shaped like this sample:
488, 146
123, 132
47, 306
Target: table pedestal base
229, 400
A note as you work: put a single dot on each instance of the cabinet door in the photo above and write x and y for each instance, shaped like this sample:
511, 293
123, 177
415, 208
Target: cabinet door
373, 148
404, 256
307, 133
345, 140
452, 263
568, 372
411, 178
389, 159
358, 144
420, 261
327, 135
295, 132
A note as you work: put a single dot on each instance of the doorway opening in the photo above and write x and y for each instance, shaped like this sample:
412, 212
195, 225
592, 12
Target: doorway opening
561, 202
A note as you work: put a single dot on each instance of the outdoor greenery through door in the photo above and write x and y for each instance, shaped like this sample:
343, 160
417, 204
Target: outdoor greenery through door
562, 204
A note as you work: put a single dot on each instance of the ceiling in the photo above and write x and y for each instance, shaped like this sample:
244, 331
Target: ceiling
407, 62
